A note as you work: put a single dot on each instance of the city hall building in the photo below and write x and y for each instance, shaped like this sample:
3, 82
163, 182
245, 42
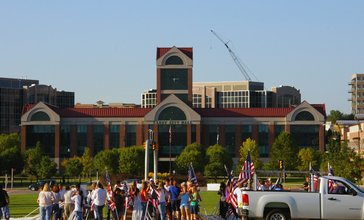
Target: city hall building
65, 132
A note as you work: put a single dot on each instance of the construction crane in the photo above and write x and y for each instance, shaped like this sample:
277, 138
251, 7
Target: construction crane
235, 58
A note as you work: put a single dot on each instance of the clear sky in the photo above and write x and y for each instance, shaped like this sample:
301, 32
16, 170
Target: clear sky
106, 50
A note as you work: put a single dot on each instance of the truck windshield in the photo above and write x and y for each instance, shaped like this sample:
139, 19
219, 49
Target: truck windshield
357, 188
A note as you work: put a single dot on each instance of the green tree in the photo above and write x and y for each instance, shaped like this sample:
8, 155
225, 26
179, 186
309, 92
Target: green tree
32, 158
107, 159
252, 146
10, 155
334, 116
47, 167
283, 149
11, 158
191, 153
338, 115
217, 158
73, 166
131, 160
306, 156
9, 141
86, 161
344, 161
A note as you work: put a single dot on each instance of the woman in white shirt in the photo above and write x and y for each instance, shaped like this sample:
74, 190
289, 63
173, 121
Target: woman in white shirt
77, 198
163, 196
45, 200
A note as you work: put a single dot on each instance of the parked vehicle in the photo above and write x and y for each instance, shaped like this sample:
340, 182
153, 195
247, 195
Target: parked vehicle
344, 202
40, 183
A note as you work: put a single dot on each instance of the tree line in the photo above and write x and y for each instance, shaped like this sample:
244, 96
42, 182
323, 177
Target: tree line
210, 161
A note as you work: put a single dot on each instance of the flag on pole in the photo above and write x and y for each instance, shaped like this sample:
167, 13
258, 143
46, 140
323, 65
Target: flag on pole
314, 179
154, 197
192, 176
110, 203
247, 170
170, 134
230, 197
330, 173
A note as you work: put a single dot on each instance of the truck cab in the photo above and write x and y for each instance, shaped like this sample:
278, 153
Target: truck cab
341, 199
334, 198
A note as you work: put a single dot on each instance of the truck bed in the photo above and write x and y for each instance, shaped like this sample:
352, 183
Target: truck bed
303, 204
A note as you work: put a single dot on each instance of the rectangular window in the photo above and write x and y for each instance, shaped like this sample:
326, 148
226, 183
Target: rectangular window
81, 139
98, 138
114, 136
130, 135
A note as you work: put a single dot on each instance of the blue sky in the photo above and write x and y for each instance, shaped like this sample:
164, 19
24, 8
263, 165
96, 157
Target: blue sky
106, 50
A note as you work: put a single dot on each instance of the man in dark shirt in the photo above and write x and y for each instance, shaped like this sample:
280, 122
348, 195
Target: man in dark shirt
175, 201
4, 202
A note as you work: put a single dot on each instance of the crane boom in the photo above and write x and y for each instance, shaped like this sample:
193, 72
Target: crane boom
235, 58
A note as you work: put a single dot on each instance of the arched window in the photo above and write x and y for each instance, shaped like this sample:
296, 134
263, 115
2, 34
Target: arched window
40, 116
172, 113
174, 60
304, 116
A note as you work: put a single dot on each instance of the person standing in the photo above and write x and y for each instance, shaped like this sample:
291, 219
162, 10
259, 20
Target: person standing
68, 203
175, 200
194, 203
4, 202
99, 198
55, 206
77, 198
45, 200
163, 197
185, 206
144, 197
62, 191
223, 204
119, 199
168, 201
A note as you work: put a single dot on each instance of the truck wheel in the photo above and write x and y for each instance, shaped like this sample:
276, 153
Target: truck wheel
276, 214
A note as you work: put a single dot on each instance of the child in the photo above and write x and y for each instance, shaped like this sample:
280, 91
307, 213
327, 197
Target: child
194, 203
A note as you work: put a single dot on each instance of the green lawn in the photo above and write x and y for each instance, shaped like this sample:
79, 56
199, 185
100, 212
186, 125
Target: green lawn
209, 203
22, 204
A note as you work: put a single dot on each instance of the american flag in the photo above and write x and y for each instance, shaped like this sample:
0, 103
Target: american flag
315, 175
247, 171
230, 197
192, 176
331, 182
111, 204
170, 134
152, 199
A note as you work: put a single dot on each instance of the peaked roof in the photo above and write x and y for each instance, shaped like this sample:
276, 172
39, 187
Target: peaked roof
163, 50
203, 112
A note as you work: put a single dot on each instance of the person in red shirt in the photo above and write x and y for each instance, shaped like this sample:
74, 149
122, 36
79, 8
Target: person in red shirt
144, 197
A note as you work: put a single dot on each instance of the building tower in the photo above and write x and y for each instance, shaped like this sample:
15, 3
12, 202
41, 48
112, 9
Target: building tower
357, 93
174, 74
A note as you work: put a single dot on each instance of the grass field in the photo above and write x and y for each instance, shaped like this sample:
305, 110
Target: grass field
22, 204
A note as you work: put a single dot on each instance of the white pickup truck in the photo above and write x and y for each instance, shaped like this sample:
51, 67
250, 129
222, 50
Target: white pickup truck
345, 202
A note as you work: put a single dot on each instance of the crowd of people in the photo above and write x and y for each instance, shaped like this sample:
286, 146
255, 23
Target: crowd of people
58, 202
161, 200
153, 200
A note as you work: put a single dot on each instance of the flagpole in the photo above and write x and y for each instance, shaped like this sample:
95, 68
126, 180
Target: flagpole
170, 147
